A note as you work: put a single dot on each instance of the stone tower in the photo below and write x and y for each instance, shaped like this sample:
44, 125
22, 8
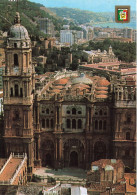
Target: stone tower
19, 83
110, 50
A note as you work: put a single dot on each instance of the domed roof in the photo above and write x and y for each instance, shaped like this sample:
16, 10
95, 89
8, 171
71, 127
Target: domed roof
101, 88
102, 96
80, 86
62, 81
103, 82
82, 79
101, 92
17, 31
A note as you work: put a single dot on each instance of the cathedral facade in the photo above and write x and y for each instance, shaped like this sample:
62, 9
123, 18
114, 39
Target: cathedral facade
64, 119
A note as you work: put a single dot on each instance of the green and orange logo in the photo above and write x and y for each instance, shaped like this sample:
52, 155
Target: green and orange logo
122, 14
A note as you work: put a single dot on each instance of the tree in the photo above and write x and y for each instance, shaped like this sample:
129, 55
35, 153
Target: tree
39, 69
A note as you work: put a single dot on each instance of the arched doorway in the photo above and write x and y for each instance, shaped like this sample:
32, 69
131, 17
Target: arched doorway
73, 159
74, 153
48, 160
47, 153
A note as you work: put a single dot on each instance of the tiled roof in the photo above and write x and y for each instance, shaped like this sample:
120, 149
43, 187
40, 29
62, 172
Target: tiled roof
103, 82
102, 88
58, 87
129, 79
101, 92
101, 96
103, 162
61, 81
55, 91
81, 85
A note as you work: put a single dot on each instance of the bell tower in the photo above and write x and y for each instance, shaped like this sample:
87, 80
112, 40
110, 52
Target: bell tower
19, 84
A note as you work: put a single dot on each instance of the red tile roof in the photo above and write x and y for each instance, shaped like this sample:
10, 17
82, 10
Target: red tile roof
102, 88
103, 162
101, 96
101, 92
103, 82
61, 81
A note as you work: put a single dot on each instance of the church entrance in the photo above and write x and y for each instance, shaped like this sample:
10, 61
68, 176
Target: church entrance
48, 160
73, 159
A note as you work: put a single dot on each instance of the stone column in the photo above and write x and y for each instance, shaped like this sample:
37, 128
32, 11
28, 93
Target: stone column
56, 118
38, 147
60, 149
87, 118
122, 95
60, 118
38, 126
56, 153
91, 117
24, 120
8, 89
118, 95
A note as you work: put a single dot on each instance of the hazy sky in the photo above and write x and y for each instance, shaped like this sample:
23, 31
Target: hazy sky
92, 5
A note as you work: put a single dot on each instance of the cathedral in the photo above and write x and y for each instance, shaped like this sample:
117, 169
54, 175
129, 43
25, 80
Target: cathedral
64, 119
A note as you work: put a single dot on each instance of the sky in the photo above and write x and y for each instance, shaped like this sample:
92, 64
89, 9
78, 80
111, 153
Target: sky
91, 5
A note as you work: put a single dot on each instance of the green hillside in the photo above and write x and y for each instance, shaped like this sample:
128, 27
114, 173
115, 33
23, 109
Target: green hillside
82, 16
28, 11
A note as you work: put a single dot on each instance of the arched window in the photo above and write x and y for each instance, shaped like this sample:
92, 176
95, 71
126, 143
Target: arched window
68, 123
119, 95
105, 113
16, 63
100, 112
73, 124
47, 111
129, 119
11, 92
52, 123
73, 110
129, 96
43, 123
16, 91
127, 136
79, 123
104, 125
96, 125
47, 123
100, 125
68, 111
79, 112
21, 92
15, 45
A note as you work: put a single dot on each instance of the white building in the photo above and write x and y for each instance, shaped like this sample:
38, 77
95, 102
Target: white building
67, 36
70, 36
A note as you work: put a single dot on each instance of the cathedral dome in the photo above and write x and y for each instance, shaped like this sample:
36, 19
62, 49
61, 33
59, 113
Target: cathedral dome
103, 82
82, 80
17, 31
